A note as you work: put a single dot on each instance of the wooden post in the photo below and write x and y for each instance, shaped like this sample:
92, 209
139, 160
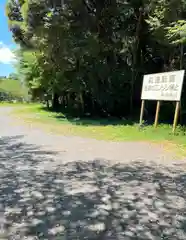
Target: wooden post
180, 112
176, 116
157, 114
142, 111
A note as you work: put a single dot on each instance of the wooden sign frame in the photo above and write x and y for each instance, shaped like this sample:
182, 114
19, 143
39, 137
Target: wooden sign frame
177, 108
176, 114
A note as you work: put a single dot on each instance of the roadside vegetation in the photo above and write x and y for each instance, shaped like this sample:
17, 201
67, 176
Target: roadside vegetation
91, 56
102, 129
86, 60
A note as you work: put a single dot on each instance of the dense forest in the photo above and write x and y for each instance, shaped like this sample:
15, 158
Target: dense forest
89, 56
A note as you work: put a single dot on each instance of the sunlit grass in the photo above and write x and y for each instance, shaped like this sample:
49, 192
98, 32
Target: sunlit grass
15, 104
101, 129
13, 87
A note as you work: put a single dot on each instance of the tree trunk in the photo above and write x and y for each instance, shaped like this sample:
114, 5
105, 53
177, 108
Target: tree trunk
55, 102
47, 104
136, 54
81, 101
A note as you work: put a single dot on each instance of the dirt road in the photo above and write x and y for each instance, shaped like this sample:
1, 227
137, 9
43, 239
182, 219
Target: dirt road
55, 187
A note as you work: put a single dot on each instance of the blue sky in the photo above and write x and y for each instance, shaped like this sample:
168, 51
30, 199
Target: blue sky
6, 44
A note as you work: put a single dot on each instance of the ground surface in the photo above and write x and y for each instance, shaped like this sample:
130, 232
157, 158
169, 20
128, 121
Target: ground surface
54, 187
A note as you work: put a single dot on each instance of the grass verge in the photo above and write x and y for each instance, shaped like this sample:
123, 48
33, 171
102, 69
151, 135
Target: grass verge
101, 129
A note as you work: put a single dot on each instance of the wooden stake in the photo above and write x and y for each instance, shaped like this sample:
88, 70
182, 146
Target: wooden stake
142, 112
176, 116
180, 112
157, 114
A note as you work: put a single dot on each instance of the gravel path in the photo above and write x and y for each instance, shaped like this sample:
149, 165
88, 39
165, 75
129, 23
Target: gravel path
54, 187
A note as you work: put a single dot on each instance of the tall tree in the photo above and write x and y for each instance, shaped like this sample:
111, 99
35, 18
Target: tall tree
90, 55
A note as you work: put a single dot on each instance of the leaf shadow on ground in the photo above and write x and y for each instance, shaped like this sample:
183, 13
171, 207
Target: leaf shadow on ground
42, 198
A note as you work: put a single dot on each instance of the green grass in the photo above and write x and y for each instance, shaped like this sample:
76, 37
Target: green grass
102, 129
12, 87
13, 104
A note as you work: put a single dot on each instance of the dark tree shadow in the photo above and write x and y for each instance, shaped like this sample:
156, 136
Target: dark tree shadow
42, 198
92, 121
107, 121
97, 121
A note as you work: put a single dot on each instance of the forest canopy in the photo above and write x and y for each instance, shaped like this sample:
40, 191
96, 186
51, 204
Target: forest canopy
89, 56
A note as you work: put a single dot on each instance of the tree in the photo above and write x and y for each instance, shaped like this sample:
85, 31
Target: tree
90, 55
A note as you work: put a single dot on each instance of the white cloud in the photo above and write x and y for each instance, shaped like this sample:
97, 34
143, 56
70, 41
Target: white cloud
6, 55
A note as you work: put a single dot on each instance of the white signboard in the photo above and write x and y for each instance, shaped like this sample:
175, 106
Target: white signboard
165, 86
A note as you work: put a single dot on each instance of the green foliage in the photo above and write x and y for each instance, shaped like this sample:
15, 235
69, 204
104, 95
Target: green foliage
90, 56
177, 32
